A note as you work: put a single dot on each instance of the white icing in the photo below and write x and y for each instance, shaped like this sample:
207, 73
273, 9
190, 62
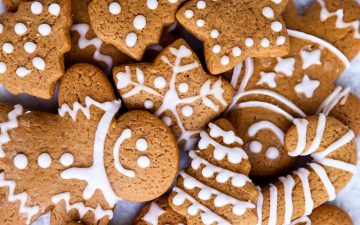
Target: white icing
153, 214
301, 127
236, 51
39, 63
22, 71
265, 43
167, 120
289, 184
30, 47
201, 4
95, 176
141, 144
255, 147
268, 106
339, 14
229, 137
208, 217
320, 171
54, 9
21, 161
214, 33
152, 4
148, 104
189, 14
307, 87
266, 125
272, 153
249, 42
1, 28
30, 211
44, 160
36, 8
183, 87
276, 26
285, 66
225, 60
44, 29
20, 29
259, 205
99, 212
160, 82
268, 12
143, 162
187, 111
267, 78
126, 134
3, 67
301, 220
310, 58
115, 8
67, 159
339, 95
303, 174
222, 175
281, 40
273, 205
8, 48
200, 23
131, 40
139, 22
216, 49
83, 43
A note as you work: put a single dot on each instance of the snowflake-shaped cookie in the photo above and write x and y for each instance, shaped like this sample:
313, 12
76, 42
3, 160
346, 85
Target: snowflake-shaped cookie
235, 30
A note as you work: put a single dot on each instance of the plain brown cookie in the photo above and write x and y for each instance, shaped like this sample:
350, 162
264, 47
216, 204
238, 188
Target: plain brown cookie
325, 215
215, 188
176, 89
235, 30
86, 157
132, 26
34, 40
159, 212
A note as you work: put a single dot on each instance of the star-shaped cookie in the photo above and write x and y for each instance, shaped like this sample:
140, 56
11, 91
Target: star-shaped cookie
235, 30
132, 26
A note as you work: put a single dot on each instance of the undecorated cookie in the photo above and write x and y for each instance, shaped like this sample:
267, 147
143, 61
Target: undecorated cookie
159, 212
271, 92
176, 89
235, 30
85, 157
33, 41
132, 26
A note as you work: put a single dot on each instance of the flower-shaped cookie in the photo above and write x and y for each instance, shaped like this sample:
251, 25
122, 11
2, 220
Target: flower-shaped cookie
235, 30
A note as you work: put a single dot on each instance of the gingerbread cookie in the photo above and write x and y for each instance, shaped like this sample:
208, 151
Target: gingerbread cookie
159, 212
33, 41
216, 189
325, 215
85, 158
271, 92
176, 89
339, 22
132, 26
235, 30
11, 5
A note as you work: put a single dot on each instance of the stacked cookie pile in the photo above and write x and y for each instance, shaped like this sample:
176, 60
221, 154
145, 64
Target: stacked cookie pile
269, 134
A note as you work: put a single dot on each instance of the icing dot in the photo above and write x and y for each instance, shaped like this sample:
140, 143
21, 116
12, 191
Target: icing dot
276, 26
239, 210
214, 33
44, 29
201, 5
22, 71
249, 42
265, 43
200, 23
280, 40
236, 51
152, 4
1, 28
160, 82
193, 210
272, 153
54, 9
21, 161
44, 160
225, 60
141, 144
189, 14
173, 1
268, 12
115, 8
204, 194
255, 147
183, 87
36, 8
30, 47
143, 161
38, 63
148, 104
140, 22
167, 120
20, 29
67, 159
8, 48
277, 1
131, 40
2, 67
187, 111
216, 49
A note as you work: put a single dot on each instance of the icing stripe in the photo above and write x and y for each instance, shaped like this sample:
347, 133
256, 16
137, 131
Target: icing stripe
207, 216
320, 171
337, 164
301, 126
289, 184
274, 108
340, 94
21, 197
273, 205
223, 175
8, 125
259, 206
318, 136
256, 127
236, 74
331, 48
303, 174
303, 219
